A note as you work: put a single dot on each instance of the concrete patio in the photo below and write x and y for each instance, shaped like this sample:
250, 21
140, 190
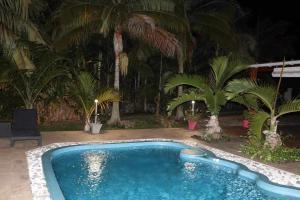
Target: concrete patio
13, 165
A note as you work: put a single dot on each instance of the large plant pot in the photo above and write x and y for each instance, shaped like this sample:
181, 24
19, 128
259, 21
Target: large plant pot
95, 128
192, 125
245, 123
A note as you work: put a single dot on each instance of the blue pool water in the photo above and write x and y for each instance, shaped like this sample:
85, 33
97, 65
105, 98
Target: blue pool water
152, 172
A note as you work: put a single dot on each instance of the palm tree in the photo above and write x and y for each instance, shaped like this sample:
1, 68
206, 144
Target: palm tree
211, 91
15, 24
269, 113
139, 19
85, 92
30, 84
210, 19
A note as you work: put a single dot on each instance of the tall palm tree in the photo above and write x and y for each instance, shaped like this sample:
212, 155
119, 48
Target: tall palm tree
85, 92
270, 110
211, 91
212, 19
138, 18
15, 24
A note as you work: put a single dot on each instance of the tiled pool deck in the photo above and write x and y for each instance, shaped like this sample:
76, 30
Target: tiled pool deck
14, 171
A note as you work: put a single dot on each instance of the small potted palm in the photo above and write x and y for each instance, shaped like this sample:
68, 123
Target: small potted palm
92, 99
245, 122
192, 118
96, 126
192, 121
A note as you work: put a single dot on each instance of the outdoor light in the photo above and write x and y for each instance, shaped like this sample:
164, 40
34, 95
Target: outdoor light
96, 110
193, 107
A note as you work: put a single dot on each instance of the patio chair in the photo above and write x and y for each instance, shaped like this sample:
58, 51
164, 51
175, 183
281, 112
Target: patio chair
24, 126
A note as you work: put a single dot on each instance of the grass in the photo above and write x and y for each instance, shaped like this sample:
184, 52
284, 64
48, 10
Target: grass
140, 121
62, 126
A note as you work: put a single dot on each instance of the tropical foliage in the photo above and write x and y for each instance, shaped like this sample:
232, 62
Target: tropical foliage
209, 90
15, 25
78, 20
85, 92
271, 110
279, 154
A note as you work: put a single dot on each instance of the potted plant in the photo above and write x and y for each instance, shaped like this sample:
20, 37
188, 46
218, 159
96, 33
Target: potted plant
245, 122
90, 98
192, 120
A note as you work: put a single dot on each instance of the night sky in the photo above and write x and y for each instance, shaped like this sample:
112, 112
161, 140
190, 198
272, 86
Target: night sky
276, 11
288, 10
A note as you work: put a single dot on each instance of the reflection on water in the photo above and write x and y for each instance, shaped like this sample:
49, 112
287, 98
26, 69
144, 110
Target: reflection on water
94, 163
189, 169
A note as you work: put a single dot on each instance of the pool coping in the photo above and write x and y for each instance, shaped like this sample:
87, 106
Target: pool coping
40, 191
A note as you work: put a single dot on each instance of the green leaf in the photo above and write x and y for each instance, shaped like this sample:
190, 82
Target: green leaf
289, 107
265, 93
195, 81
214, 101
225, 67
257, 121
191, 96
239, 86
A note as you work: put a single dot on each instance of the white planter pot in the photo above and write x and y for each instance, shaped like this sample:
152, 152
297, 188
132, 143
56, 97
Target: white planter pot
95, 128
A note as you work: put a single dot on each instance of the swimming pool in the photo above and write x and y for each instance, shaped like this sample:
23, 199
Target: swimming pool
152, 170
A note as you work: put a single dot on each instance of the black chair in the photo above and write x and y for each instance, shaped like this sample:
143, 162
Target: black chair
24, 126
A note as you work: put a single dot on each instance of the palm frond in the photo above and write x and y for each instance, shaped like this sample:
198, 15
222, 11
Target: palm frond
15, 25
45, 79
257, 121
225, 67
238, 87
190, 96
217, 28
214, 101
265, 93
143, 27
247, 100
148, 5
21, 59
195, 81
107, 96
289, 107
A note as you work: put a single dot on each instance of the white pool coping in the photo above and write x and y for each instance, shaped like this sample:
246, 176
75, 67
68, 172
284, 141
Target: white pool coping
40, 191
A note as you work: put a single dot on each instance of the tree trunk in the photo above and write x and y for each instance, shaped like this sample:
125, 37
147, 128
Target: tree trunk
157, 99
87, 126
213, 128
273, 139
145, 104
145, 99
179, 111
118, 47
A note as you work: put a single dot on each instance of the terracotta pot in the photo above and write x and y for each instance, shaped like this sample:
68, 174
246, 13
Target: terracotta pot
245, 123
192, 125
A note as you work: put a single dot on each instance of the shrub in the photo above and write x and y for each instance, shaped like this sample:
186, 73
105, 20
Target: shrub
279, 154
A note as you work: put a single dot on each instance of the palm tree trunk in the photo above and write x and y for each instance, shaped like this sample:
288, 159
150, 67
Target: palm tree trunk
145, 99
157, 99
87, 126
179, 111
118, 47
273, 139
213, 127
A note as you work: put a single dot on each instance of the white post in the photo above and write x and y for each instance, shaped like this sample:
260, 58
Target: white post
193, 108
96, 110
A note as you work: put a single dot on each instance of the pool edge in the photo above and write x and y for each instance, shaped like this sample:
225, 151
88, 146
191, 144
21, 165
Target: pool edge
40, 190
